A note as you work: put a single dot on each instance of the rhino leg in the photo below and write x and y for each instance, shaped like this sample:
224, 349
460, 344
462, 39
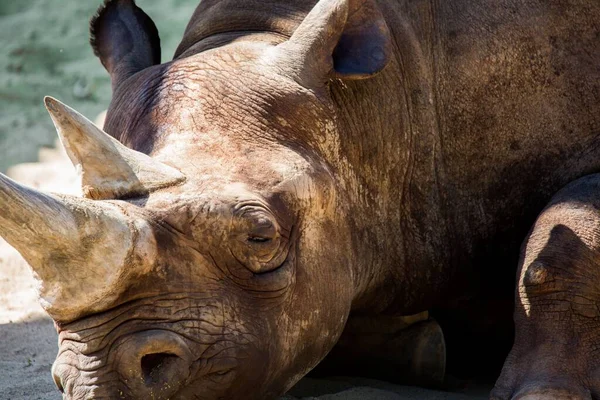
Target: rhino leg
556, 354
408, 350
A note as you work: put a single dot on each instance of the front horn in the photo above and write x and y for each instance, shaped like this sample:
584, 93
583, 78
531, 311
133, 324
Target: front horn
81, 251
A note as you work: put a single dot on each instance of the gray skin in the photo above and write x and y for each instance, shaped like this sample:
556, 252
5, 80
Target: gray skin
317, 188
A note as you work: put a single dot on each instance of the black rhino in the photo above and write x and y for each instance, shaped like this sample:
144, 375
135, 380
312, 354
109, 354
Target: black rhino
302, 165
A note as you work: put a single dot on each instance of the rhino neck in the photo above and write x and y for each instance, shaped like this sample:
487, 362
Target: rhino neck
240, 18
389, 156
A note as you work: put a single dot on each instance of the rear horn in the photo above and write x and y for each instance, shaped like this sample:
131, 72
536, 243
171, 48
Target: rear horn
108, 169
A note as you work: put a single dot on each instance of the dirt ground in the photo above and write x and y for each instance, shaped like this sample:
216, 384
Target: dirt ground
45, 51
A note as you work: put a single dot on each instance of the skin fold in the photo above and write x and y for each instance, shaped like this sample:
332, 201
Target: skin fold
300, 164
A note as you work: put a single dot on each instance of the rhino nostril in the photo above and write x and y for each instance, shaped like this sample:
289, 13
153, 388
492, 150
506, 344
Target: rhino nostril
154, 366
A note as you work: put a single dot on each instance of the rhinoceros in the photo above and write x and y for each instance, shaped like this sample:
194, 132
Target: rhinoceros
309, 173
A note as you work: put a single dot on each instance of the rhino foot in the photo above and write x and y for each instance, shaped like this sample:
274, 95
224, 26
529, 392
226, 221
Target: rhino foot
405, 350
556, 354
421, 350
543, 373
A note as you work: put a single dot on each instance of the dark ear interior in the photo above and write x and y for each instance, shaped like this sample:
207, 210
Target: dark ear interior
365, 47
125, 39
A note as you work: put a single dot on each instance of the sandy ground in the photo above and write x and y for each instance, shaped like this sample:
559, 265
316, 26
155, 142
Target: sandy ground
44, 51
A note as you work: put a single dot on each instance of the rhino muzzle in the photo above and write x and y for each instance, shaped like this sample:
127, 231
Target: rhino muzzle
152, 364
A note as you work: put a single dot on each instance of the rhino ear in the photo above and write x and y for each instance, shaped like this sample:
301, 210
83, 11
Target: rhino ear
346, 39
124, 38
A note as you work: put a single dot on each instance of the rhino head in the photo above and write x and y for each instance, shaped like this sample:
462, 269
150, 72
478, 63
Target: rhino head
211, 255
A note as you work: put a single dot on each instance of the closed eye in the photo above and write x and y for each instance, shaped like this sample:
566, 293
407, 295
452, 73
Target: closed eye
257, 239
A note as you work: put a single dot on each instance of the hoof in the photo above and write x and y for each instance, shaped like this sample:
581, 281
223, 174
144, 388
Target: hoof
406, 350
424, 351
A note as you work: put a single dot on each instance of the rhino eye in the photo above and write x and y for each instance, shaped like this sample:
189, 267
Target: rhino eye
258, 244
258, 239
263, 230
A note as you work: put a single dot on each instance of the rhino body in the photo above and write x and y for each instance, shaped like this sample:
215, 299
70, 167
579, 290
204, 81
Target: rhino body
299, 163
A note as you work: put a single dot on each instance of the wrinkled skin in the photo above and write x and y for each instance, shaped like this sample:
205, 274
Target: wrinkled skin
311, 195
556, 350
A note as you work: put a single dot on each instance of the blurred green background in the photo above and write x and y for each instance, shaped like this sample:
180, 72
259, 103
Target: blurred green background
44, 50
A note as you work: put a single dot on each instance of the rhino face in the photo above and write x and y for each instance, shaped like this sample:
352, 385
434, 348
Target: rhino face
236, 297
211, 256
213, 286
240, 292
